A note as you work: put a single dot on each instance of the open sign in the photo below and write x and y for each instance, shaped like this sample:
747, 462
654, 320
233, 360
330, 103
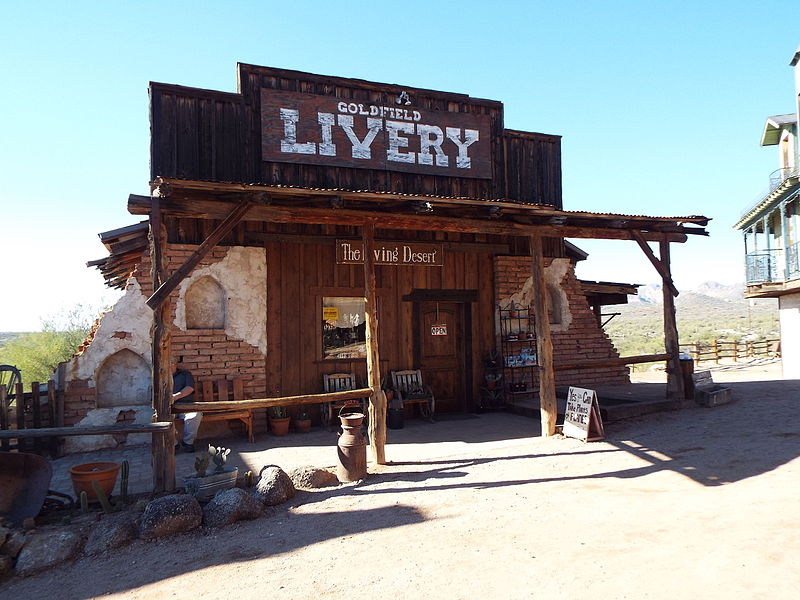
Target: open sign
439, 329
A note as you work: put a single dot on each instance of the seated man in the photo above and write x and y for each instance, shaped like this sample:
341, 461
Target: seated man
183, 391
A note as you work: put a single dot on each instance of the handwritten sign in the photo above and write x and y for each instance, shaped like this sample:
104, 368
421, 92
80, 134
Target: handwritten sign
582, 416
439, 329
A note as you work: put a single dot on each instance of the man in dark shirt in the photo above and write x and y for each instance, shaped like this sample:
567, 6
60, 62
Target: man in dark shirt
183, 391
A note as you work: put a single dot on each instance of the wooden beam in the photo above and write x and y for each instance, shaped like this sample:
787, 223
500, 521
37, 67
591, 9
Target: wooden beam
163, 453
213, 209
377, 401
12, 434
223, 229
612, 362
219, 405
544, 343
658, 264
675, 388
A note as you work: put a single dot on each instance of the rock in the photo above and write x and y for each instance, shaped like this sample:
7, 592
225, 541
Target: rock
111, 533
310, 478
28, 523
274, 486
229, 506
14, 544
47, 549
170, 515
6, 566
4, 531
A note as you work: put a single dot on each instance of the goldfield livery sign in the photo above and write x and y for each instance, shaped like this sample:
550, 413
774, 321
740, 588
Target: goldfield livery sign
351, 252
325, 130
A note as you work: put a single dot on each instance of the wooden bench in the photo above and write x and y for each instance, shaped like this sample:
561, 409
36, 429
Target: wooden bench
339, 382
220, 391
409, 389
708, 393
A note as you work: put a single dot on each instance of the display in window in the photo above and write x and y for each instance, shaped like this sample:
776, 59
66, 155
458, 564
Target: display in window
344, 330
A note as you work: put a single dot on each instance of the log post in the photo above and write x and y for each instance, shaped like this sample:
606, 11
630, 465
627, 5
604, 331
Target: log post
544, 343
675, 388
377, 401
163, 451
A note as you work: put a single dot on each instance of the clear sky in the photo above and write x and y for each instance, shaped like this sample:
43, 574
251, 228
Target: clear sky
660, 104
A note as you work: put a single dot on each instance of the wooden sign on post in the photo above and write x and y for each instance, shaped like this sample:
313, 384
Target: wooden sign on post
582, 418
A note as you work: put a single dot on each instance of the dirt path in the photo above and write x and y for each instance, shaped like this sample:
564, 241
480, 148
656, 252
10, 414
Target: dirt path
700, 503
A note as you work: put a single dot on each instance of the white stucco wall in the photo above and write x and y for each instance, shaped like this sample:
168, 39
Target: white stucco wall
553, 274
243, 274
789, 312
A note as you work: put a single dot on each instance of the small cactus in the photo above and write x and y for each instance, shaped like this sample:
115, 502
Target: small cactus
220, 456
123, 482
200, 465
84, 502
101, 496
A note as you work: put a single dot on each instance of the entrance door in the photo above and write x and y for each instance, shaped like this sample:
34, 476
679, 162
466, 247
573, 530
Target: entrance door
442, 357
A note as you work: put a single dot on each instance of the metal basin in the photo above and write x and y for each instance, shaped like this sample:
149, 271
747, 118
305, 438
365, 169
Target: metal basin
24, 481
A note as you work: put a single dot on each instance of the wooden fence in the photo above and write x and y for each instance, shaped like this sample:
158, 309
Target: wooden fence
41, 407
731, 349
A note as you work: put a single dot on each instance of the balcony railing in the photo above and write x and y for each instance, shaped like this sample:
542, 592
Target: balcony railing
762, 266
776, 178
773, 266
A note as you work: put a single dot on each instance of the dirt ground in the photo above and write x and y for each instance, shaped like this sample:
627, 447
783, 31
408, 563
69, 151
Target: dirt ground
698, 503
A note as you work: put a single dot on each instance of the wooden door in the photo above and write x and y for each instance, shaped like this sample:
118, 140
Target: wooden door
442, 357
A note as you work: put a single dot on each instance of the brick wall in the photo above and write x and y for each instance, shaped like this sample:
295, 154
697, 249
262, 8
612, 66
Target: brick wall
210, 354
582, 339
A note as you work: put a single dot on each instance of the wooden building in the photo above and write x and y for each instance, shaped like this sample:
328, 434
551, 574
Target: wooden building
308, 224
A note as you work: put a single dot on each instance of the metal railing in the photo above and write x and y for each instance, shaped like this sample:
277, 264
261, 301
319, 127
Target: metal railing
762, 266
776, 178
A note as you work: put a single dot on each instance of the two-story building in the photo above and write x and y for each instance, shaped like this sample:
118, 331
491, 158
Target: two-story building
770, 229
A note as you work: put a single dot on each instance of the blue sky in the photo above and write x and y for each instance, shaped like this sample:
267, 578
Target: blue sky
660, 105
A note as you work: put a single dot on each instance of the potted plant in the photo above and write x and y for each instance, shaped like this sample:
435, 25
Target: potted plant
203, 485
104, 473
302, 422
492, 380
278, 420
491, 359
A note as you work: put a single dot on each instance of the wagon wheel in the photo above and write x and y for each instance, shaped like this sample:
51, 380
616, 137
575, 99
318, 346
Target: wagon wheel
9, 377
327, 414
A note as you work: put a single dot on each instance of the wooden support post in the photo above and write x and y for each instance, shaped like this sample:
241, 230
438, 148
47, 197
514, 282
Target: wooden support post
675, 388
544, 343
163, 451
19, 391
4, 424
377, 401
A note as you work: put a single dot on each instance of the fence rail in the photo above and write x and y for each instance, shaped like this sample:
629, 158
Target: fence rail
38, 408
731, 349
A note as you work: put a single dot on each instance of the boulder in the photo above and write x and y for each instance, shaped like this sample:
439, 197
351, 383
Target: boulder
6, 566
47, 549
274, 486
13, 544
170, 515
111, 533
310, 478
229, 506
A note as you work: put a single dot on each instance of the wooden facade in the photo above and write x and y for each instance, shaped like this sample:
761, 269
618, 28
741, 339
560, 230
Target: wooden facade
294, 162
215, 136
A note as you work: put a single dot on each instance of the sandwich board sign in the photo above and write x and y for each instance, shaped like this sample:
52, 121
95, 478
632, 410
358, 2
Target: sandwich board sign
582, 416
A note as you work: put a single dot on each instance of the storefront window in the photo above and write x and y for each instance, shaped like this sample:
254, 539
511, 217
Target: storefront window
344, 331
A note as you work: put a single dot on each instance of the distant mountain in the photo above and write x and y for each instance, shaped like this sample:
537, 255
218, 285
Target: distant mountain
651, 293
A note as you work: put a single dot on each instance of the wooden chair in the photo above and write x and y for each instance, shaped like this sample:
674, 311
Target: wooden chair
409, 389
220, 390
339, 382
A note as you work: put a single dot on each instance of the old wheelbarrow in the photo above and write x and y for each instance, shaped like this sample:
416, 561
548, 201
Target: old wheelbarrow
24, 482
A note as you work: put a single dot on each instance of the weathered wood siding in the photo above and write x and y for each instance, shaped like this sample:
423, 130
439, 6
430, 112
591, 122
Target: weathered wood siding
216, 136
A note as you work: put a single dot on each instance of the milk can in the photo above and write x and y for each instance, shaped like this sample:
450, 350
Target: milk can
352, 447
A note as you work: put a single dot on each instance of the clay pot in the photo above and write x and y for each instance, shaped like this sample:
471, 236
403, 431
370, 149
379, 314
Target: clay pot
104, 473
279, 426
302, 426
